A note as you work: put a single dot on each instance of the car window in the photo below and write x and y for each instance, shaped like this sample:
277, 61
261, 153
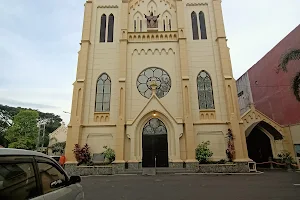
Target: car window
17, 181
51, 178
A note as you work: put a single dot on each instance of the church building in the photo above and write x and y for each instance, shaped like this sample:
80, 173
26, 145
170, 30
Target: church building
154, 80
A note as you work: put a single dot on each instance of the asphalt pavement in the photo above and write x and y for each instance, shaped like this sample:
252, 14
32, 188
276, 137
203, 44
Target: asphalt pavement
275, 185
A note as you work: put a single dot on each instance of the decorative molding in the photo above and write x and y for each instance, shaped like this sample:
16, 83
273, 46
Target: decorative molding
108, 6
165, 36
164, 111
228, 77
253, 116
207, 114
197, 4
185, 78
152, 52
210, 122
134, 3
80, 80
122, 79
101, 117
99, 125
210, 133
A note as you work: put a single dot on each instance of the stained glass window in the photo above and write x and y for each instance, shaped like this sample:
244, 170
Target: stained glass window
103, 91
134, 26
154, 127
110, 34
153, 75
205, 91
103, 28
195, 26
202, 26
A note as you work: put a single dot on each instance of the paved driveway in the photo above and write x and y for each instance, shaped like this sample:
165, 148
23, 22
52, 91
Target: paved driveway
270, 185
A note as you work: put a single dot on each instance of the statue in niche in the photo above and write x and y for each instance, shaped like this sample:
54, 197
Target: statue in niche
152, 21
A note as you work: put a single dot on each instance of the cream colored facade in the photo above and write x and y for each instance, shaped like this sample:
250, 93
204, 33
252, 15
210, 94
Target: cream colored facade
173, 50
59, 135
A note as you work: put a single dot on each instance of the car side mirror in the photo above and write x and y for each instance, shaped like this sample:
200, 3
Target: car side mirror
74, 179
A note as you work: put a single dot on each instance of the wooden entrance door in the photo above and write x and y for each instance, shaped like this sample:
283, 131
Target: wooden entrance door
155, 144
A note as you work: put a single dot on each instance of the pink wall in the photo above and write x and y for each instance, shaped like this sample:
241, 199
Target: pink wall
272, 92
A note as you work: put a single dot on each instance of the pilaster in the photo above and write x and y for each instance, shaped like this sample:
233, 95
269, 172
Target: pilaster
241, 153
187, 111
120, 135
75, 126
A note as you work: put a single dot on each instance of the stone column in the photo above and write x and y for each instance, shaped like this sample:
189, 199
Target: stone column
119, 163
235, 123
75, 125
187, 113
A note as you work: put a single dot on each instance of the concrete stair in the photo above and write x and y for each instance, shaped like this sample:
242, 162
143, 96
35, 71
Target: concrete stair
154, 171
173, 170
149, 172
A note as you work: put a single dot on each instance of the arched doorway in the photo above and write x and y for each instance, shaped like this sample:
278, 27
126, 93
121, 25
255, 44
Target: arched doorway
260, 141
259, 146
155, 144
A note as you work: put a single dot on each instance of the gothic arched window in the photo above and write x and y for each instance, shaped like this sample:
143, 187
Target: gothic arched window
205, 91
103, 28
195, 26
103, 91
134, 26
110, 34
202, 26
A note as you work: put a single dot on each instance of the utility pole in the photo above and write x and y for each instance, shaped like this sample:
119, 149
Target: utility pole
41, 132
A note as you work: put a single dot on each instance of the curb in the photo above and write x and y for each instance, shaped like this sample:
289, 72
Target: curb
108, 175
253, 173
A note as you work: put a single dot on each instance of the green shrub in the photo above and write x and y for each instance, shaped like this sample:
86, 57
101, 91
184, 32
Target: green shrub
109, 154
286, 157
203, 153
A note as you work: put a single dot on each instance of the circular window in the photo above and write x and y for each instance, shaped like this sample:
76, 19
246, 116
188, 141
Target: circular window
157, 76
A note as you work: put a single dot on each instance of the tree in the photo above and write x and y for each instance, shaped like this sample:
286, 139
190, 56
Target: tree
7, 114
23, 133
293, 54
58, 147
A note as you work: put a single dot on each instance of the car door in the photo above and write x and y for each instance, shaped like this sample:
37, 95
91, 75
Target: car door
55, 183
18, 178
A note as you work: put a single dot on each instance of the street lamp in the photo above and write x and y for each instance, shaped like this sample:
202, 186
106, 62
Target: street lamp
67, 112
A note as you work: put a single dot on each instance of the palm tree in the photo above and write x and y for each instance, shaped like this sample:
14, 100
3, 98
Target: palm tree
293, 54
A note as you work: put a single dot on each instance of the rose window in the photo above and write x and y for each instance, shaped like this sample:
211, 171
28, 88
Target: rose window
153, 76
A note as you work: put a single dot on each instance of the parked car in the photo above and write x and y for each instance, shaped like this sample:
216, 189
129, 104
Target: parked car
33, 175
56, 158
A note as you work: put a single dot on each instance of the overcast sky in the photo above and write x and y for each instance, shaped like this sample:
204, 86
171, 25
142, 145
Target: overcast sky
40, 40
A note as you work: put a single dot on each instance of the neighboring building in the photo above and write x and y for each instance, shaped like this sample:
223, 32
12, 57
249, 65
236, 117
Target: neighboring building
57, 136
271, 95
155, 85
